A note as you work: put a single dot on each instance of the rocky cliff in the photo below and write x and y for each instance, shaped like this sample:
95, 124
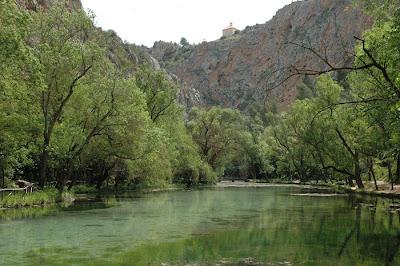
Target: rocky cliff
240, 70
249, 66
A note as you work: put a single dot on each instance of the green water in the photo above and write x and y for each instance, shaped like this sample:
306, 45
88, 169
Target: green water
271, 225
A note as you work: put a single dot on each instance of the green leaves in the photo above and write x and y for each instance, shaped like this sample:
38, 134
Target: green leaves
160, 92
18, 85
220, 134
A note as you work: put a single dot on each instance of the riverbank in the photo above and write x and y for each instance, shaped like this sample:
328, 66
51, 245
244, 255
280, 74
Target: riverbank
384, 189
35, 199
52, 196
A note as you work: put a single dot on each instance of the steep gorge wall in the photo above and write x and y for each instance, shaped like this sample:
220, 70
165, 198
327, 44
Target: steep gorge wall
238, 71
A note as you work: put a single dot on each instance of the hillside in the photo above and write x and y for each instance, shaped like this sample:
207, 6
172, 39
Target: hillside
125, 55
242, 69
237, 71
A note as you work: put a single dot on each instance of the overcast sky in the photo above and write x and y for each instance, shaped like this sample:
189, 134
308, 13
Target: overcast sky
146, 21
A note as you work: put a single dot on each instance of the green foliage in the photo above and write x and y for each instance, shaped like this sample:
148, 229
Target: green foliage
184, 42
345, 133
160, 93
380, 10
304, 92
222, 137
74, 108
18, 83
322, 138
84, 189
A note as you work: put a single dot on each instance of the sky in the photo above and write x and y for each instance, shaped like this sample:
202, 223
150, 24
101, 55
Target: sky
147, 21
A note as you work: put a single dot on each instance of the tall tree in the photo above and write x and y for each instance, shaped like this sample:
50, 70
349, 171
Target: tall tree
220, 133
64, 43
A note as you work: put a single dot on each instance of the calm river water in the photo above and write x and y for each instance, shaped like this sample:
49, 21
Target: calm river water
273, 225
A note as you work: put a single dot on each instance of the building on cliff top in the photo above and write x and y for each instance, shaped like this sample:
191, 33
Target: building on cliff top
229, 31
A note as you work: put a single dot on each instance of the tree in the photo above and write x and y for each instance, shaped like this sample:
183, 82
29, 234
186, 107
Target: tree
160, 92
316, 138
64, 43
19, 81
220, 134
184, 42
365, 118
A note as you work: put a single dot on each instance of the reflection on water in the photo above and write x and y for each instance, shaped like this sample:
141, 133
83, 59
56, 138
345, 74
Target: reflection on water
271, 225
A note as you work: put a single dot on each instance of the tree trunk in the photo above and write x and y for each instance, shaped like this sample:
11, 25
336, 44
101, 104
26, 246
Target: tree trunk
43, 163
103, 175
301, 173
3, 182
50, 120
62, 180
389, 166
371, 169
350, 181
398, 169
357, 170
356, 159
2, 172
358, 223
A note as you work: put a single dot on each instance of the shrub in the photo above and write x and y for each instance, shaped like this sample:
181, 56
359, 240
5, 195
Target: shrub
84, 189
207, 174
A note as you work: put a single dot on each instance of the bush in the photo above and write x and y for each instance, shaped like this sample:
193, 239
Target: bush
207, 175
84, 189
188, 176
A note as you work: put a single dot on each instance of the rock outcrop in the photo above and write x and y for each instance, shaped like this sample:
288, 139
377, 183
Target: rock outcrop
240, 70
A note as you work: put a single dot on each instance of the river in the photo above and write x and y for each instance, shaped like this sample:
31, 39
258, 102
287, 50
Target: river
266, 225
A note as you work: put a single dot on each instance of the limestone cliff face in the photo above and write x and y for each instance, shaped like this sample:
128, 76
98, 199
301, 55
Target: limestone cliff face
237, 71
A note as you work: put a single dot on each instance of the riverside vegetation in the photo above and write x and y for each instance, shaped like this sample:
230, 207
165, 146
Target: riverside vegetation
71, 112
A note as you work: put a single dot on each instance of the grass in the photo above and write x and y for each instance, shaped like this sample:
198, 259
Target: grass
27, 212
18, 200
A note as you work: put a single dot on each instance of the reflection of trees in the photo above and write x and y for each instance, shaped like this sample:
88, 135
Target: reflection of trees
372, 221
269, 226
295, 229
376, 234
345, 242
